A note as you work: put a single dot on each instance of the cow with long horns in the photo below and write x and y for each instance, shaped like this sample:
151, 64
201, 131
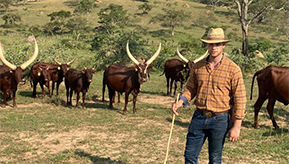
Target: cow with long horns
121, 79
11, 75
176, 70
40, 75
57, 72
78, 81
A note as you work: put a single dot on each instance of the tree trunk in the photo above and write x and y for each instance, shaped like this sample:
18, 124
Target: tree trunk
245, 42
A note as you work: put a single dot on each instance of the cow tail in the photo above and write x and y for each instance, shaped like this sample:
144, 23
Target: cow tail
256, 74
162, 73
103, 85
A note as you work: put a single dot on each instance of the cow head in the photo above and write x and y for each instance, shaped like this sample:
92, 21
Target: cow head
64, 67
44, 72
142, 68
88, 73
17, 71
190, 64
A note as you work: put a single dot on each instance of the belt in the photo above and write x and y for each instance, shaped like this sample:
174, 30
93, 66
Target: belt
208, 114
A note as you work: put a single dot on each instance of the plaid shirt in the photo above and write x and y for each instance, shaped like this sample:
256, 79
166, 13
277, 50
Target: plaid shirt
217, 90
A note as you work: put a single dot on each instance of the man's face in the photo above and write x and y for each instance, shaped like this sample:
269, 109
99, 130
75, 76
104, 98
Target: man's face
215, 49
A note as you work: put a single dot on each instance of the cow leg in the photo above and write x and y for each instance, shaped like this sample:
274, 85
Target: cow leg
14, 102
257, 108
270, 107
34, 94
70, 97
57, 89
168, 82
125, 102
171, 86
5, 96
83, 99
77, 99
113, 98
48, 88
67, 95
118, 94
43, 91
53, 85
111, 92
175, 88
134, 100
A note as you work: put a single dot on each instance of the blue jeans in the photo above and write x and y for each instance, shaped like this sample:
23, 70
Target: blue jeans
201, 128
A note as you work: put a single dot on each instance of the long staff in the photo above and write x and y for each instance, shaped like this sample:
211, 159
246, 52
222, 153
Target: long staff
172, 127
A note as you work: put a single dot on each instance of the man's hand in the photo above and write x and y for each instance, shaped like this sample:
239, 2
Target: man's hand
234, 132
176, 106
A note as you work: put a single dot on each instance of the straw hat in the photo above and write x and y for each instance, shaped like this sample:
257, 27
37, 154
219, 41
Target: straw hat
215, 35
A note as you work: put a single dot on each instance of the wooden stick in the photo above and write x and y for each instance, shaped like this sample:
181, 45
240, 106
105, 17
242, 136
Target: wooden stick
172, 126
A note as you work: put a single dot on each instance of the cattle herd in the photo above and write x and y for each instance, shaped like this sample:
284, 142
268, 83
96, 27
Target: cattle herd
273, 81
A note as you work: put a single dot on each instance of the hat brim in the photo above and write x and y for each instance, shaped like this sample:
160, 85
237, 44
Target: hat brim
215, 41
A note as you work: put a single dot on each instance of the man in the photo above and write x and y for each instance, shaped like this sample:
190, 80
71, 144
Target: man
217, 85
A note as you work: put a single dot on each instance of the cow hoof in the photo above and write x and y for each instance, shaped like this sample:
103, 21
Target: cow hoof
3, 106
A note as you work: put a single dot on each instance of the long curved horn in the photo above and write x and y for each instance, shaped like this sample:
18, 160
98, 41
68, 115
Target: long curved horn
130, 55
201, 57
24, 65
155, 55
4, 61
71, 61
181, 56
57, 62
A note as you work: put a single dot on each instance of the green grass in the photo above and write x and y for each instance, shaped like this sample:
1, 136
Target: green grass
49, 132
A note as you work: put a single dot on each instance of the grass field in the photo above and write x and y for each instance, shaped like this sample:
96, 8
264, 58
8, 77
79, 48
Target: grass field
50, 132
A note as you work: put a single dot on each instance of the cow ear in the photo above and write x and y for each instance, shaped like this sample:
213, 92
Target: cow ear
83, 71
149, 68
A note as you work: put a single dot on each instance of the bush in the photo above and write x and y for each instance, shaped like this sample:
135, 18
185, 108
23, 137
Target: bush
247, 64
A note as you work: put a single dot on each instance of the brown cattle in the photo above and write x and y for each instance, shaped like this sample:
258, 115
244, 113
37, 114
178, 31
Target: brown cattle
39, 75
178, 71
127, 79
78, 81
273, 84
57, 72
11, 75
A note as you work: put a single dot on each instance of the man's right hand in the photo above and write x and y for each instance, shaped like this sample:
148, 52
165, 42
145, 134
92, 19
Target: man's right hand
176, 106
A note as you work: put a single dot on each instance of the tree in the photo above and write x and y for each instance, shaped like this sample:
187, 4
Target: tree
84, 6
171, 18
249, 10
113, 16
76, 25
57, 24
145, 8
